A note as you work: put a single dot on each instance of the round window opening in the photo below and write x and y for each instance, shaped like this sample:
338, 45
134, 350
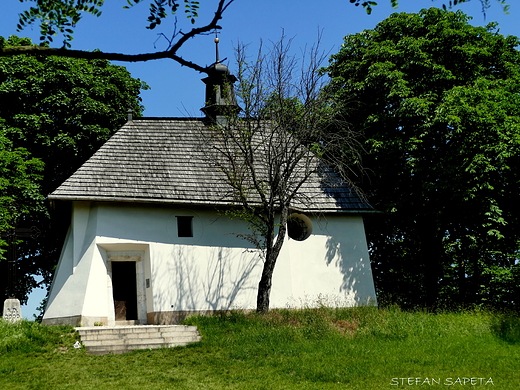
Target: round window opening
299, 227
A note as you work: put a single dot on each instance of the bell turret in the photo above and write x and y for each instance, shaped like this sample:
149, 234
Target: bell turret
221, 102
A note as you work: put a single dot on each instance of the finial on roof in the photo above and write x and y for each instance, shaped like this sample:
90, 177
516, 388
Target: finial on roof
217, 57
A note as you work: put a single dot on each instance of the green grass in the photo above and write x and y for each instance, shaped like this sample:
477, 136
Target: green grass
360, 348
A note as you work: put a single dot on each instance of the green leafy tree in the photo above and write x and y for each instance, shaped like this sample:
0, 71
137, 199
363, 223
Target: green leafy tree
58, 111
437, 102
20, 195
19, 182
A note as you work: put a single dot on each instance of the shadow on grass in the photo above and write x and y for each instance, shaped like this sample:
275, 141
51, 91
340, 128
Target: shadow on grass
506, 327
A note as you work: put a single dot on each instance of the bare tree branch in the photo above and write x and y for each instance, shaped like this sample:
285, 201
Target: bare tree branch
170, 53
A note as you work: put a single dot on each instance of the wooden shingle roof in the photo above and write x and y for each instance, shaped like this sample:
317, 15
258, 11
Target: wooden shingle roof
159, 160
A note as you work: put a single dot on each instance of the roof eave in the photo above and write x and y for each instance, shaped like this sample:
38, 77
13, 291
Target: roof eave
73, 198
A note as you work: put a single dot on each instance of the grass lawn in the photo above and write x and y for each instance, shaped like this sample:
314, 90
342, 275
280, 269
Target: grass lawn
360, 348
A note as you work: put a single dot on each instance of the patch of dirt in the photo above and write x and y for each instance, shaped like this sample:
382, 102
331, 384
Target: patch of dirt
346, 327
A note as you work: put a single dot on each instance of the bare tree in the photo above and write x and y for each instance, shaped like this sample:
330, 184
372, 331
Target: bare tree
273, 151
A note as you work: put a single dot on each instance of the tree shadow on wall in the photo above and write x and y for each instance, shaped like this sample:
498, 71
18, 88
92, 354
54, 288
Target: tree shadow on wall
216, 281
356, 273
221, 293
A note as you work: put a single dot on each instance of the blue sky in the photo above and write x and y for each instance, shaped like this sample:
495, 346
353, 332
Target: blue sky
177, 91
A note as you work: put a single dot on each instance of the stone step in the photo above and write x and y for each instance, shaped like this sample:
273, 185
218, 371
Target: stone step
141, 341
100, 340
115, 349
126, 322
134, 336
135, 330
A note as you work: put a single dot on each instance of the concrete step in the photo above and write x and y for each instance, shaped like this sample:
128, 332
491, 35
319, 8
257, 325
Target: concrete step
141, 341
126, 322
100, 340
129, 331
113, 349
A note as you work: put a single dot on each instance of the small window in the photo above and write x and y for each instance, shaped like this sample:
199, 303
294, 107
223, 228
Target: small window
299, 227
184, 226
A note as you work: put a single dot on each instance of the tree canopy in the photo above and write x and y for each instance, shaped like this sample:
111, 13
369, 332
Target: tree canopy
54, 113
437, 102
20, 177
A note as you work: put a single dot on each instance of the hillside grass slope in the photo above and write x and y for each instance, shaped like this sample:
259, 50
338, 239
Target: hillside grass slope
323, 348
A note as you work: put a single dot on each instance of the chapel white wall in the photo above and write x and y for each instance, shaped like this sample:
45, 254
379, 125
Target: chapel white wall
213, 270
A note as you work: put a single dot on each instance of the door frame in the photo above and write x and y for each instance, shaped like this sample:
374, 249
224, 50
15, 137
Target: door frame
138, 258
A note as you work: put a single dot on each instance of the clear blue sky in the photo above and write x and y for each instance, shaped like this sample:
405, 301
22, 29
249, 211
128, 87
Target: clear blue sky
177, 91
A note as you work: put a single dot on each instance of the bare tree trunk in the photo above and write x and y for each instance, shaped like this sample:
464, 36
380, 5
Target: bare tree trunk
274, 246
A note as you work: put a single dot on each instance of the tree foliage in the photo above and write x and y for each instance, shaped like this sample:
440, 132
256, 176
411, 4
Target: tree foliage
54, 113
61, 16
437, 101
20, 177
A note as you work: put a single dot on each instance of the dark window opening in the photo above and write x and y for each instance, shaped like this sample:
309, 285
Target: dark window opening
299, 227
185, 226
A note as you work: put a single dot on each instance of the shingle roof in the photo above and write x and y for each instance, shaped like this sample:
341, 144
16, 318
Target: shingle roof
159, 160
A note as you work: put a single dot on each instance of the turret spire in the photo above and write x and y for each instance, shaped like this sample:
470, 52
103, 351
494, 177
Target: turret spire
217, 57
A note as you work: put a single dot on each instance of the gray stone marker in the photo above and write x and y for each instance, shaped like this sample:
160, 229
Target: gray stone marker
12, 310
